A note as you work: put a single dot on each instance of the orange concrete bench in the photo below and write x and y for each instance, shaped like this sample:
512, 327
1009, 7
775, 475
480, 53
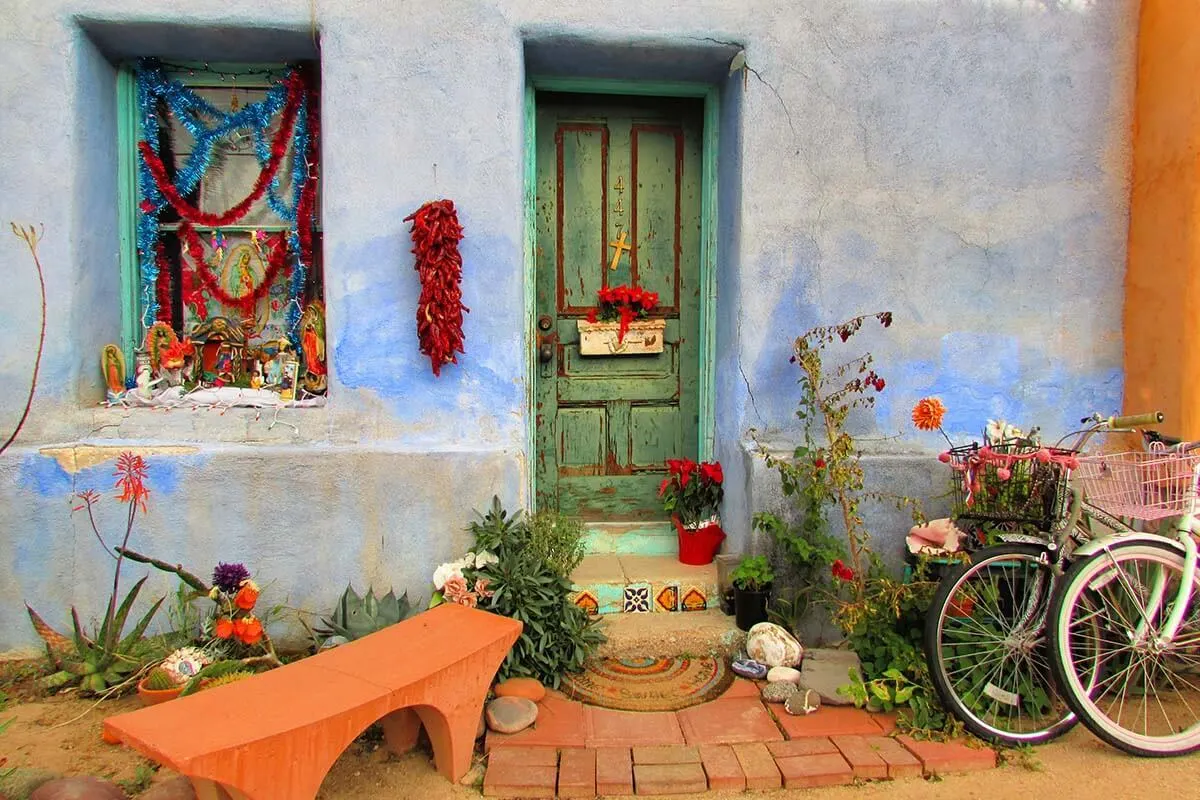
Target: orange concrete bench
276, 735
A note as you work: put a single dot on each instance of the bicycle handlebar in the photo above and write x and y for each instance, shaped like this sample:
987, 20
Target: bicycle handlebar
1130, 421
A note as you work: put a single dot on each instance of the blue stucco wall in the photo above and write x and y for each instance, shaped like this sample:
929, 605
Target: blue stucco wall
961, 163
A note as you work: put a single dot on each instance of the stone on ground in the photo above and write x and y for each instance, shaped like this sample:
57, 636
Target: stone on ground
529, 688
803, 702
783, 675
772, 645
778, 692
77, 787
23, 780
177, 788
749, 668
825, 671
511, 714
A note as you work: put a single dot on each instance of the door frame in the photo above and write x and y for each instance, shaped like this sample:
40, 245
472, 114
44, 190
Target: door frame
708, 240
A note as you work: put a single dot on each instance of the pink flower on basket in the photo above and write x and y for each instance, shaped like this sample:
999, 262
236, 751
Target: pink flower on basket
944, 457
1003, 473
1043, 455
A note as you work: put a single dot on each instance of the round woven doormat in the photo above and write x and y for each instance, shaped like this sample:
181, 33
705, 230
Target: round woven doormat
649, 684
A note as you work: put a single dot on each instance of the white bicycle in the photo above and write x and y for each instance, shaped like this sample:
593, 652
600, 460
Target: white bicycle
1124, 621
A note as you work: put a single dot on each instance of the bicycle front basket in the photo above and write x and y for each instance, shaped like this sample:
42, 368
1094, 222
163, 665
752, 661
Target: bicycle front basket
1010, 483
1140, 484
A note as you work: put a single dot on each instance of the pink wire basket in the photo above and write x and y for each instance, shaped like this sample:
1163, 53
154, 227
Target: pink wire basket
1140, 485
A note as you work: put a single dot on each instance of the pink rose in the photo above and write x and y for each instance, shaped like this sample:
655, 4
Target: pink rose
455, 589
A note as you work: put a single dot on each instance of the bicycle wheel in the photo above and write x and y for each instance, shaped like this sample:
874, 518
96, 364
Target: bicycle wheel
986, 645
1134, 692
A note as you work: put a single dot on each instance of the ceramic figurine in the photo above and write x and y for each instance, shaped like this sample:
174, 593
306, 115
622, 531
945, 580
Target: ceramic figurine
172, 361
256, 381
112, 362
312, 345
158, 339
145, 384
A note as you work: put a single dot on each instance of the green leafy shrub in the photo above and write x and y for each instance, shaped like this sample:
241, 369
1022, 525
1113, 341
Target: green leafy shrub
753, 574
557, 540
520, 568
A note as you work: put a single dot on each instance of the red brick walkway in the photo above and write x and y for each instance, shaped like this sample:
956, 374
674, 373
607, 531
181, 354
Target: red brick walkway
733, 743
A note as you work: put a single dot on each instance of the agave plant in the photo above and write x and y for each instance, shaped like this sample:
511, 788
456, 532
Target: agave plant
356, 617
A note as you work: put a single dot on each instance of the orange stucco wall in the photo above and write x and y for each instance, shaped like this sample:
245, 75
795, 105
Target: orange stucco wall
1162, 285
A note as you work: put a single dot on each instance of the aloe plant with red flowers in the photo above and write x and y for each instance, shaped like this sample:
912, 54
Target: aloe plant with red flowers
692, 490
623, 304
106, 660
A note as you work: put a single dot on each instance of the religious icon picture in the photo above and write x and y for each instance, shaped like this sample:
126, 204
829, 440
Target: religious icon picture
289, 374
112, 362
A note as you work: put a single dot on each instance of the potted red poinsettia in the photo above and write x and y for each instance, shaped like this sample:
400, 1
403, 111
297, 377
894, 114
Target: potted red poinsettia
621, 324
692, 493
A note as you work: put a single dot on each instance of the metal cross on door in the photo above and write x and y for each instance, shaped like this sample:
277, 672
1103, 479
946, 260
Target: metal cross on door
618, 203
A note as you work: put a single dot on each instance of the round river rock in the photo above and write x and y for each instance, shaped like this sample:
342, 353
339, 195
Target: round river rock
511, 714
769, 644
79, 787
778, 692
783, 675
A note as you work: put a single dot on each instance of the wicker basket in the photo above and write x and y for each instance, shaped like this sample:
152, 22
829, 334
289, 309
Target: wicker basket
1010, 483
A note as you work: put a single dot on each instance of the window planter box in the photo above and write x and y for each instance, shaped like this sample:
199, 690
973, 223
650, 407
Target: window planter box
600, 338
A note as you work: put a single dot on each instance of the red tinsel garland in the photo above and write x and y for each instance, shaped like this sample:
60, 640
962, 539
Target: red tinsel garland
308, 195
436, 234
278, 150
277, 262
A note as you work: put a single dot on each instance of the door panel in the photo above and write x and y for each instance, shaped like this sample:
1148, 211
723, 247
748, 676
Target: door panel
615, 171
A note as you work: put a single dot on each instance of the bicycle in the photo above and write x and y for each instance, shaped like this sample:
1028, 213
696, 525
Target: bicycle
1124, 622
985, 632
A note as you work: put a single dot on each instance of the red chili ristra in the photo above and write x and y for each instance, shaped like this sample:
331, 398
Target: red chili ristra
436, 234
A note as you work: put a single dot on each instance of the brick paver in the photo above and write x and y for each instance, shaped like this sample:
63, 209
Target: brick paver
829, 721
758, 765
862, 757
604, 727
722, 768
728, 722
577, 774
942, 757
900, 762
666, 754
669, 778
559, 724
809, 746
742, 688
804, 772
614, 771
521, 772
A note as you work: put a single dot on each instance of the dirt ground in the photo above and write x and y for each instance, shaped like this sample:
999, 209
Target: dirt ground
62, 734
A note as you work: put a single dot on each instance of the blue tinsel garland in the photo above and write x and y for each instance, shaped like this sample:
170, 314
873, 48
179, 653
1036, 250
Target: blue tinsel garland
191, 110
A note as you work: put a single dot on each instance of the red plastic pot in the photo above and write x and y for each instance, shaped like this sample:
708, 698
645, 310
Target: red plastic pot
698, 546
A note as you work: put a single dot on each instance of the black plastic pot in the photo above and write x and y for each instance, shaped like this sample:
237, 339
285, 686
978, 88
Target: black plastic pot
750, 608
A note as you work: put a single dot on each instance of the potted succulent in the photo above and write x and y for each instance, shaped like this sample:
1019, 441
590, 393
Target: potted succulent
692, 493
751, 589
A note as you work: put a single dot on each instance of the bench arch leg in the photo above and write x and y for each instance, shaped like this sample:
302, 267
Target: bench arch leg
211, 790
452, 736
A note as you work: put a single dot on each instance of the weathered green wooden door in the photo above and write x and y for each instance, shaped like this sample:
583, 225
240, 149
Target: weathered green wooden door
613, 171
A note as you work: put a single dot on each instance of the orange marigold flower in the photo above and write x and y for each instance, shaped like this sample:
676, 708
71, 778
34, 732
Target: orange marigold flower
247, 595
248, 630
927, 414
223, 628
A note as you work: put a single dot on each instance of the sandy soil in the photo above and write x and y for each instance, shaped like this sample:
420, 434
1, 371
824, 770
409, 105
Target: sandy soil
62, 734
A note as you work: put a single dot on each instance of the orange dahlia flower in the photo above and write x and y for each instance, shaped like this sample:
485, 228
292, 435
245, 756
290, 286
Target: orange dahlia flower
223, 628
927, 414
247, 595
248, 630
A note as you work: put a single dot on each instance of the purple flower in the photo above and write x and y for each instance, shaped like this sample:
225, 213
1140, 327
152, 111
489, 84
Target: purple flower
228, 577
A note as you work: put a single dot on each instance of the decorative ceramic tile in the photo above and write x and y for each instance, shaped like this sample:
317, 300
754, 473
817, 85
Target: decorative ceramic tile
587, 601
693, 599
666, 597
636, 599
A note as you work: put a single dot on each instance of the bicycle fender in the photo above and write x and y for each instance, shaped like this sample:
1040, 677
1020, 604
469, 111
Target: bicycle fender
1096, 545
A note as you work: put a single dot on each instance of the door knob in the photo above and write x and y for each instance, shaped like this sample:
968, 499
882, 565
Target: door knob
546, 353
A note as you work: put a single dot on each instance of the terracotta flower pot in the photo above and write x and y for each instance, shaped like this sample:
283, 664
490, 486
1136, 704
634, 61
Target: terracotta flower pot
698, 546
152, 697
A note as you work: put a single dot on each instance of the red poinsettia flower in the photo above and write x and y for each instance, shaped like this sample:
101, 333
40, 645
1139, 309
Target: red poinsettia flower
591, 317
649, 301
662, 487
712, 472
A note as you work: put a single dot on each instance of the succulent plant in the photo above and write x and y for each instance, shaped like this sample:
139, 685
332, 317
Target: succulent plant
355, 617
158, 679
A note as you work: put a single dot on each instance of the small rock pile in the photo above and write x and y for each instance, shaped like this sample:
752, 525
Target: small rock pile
515, 707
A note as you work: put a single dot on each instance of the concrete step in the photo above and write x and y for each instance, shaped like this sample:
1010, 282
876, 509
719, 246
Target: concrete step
697, 633
632, 538
616, 583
